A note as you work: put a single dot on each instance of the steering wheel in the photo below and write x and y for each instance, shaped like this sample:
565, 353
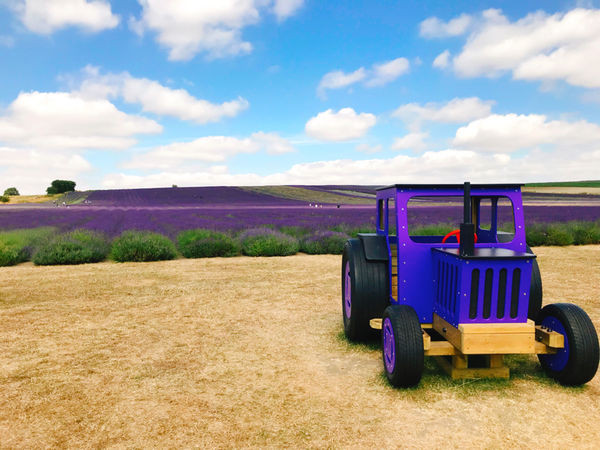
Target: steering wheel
457, 234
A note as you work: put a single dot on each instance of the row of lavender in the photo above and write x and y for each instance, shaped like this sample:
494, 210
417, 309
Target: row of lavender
171, 220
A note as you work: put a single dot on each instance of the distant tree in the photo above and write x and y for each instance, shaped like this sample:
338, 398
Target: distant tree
60, 187
4, 199
11, 191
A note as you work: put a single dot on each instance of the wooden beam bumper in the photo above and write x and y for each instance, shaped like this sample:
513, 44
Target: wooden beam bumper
488, 339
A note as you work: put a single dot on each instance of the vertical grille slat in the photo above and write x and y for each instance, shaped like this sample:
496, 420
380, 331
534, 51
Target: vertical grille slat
501, 294
474, 293
514, 295
487, 293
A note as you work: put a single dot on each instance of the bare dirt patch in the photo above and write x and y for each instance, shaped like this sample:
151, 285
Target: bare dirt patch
247, 352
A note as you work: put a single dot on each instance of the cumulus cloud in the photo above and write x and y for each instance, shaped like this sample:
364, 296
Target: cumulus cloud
66, 120
436, 28
378, 75
158, 99
410, 141
339, 79
442, 60
286, 8
446, 166
539, 46
189, 27
343, 125
457, 110
48, 16
208, 149
387, 72
512, 132
32, 170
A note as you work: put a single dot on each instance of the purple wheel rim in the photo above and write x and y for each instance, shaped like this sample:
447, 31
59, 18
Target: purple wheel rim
389, 346
347, 291
559, 360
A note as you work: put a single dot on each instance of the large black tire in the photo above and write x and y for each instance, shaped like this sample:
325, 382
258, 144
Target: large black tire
402, 346
577, 363
535, 291
365, 291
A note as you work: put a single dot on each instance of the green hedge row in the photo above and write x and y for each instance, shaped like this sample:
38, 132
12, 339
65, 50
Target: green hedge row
44, 246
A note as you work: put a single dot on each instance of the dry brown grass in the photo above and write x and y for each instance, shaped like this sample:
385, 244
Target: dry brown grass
246, 352
19, 199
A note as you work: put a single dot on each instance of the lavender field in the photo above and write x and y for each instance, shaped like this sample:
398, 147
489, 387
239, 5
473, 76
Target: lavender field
171, 210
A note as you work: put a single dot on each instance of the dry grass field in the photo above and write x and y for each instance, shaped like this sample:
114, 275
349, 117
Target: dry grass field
247, 352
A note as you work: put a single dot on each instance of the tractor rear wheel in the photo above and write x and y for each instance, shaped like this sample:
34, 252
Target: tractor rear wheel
365, 291
402, 346
577, 362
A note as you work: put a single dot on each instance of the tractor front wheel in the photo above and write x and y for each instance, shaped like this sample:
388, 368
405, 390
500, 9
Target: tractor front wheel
577, 362
402, 344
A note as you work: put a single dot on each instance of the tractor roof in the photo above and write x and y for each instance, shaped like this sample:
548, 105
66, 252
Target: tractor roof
451, 186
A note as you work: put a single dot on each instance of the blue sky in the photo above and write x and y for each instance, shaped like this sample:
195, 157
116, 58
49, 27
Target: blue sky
248, 92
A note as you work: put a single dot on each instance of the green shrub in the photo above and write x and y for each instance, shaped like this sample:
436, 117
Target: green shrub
324, 242
296, 231
268, 242
141, 246
17, 246
585, 233
438, 229
559, 234
11, 191
536, 234
4, 198
202, 243
11, 255
76, 247
353, 231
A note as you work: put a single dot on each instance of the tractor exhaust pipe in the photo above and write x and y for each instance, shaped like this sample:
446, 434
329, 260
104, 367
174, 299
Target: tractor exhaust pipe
467, 228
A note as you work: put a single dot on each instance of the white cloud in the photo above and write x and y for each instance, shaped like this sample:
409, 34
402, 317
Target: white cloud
208, 149
511, 132
64, 120
387, 72
378, 75
447, 166
343, 125
189, 27
158, 99
338, 79
562, 46
458, 110
442, 60
31, 171
436, 28
47, 16
286, 8
411, 141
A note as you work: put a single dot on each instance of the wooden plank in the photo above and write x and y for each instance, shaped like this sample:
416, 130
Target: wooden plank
376, 324
496, 361
471, 339
460, 361
543, 349
494, 343
552, 339
486, 328
447, 331
426, 340
439, 348
459, 373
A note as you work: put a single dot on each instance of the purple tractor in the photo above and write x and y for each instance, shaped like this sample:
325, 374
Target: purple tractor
467, 298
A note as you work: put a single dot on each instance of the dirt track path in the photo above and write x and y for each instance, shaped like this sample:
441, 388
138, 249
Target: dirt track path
247, 352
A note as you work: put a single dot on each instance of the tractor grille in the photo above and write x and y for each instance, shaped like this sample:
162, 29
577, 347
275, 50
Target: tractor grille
481, 292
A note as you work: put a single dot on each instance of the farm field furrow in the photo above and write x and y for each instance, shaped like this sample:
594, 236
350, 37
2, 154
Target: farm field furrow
249, 352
